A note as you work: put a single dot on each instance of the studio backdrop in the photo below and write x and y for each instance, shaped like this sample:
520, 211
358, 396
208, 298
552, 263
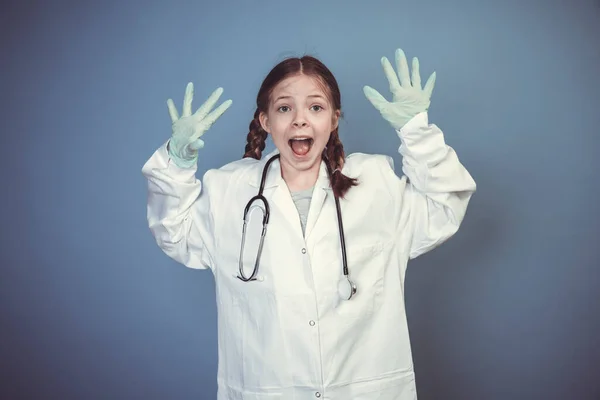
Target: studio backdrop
90, 308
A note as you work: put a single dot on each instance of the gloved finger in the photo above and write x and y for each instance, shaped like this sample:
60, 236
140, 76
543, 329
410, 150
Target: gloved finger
390, 75
208, 104
402, 66
186, 111
378, 101
416, 76
213, 116
196, 144
429, 85
172, 111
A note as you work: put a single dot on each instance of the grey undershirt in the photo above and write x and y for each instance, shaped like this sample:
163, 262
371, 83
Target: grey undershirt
302, 202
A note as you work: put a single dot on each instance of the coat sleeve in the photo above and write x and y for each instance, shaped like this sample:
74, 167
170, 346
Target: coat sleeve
433, 196
179, 211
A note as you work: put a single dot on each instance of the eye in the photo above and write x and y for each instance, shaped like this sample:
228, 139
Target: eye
318, 107
283, 109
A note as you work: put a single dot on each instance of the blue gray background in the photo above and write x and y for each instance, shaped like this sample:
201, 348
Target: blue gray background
92, 309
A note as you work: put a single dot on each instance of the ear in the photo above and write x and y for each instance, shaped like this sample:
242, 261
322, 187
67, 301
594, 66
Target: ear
264, 121
335, 120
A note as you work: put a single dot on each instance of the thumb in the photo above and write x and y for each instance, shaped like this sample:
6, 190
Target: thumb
378, 101
196, 144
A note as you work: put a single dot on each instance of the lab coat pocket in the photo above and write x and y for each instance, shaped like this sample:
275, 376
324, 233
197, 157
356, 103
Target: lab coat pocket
367, 266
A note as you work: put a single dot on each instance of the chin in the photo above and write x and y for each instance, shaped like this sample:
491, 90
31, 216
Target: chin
303, 162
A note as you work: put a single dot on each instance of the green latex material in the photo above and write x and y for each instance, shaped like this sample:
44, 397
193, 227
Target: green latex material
408, 97
188, 128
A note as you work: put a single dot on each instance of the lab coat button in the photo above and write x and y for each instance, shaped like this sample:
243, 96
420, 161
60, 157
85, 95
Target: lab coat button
311, 323
317, 394
303, 251
260, 278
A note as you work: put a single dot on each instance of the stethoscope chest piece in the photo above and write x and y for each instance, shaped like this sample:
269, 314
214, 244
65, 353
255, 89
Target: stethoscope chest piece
346, 288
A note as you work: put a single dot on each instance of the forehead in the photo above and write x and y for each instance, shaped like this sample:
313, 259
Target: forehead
299, 85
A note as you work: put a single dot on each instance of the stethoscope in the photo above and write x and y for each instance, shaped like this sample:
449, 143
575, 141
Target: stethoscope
346, 287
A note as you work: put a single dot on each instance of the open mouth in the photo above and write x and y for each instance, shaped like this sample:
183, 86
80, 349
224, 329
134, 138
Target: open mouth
301, 146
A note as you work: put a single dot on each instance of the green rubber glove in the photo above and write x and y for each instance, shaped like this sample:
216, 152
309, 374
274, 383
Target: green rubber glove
409, 99
187, 129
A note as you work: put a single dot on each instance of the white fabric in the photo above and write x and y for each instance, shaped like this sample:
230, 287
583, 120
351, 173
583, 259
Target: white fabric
302, 202
287, 335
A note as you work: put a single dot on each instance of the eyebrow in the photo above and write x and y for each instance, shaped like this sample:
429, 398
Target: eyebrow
289, 97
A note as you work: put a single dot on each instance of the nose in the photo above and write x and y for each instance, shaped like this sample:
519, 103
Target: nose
300, 121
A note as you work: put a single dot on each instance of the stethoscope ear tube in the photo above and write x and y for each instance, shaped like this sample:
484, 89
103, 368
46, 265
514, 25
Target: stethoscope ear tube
353, 288
265, 222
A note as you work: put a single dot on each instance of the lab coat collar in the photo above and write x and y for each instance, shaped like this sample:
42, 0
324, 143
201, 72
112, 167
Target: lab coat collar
274, 177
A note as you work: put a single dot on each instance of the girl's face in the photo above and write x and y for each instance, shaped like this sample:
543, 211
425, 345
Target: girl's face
300, 119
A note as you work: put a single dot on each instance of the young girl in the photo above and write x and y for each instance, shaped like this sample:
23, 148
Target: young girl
308, 246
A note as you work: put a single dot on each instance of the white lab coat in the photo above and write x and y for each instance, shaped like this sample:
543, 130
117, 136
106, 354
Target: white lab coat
287, 335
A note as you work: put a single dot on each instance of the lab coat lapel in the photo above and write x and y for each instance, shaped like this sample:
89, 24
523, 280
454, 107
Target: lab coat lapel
316, 205
321, 192
282, 199
277, 193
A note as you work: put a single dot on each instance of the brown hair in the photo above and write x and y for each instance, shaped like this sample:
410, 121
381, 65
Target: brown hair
334, 150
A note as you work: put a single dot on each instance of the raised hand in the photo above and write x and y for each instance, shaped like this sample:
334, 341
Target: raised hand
187, 129
408, 98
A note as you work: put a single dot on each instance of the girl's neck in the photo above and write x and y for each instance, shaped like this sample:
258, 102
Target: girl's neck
296, 180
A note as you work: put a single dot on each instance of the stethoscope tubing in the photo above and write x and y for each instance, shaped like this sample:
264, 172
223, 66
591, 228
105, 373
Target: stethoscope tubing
265, 222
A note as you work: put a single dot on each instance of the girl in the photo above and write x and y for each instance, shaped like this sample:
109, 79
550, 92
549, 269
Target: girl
308, 246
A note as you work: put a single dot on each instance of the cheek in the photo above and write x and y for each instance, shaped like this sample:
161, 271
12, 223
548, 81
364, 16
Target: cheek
275, 120
277, 131
324, 126
277, 126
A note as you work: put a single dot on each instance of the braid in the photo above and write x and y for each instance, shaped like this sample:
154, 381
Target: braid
256, 138
335, 156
